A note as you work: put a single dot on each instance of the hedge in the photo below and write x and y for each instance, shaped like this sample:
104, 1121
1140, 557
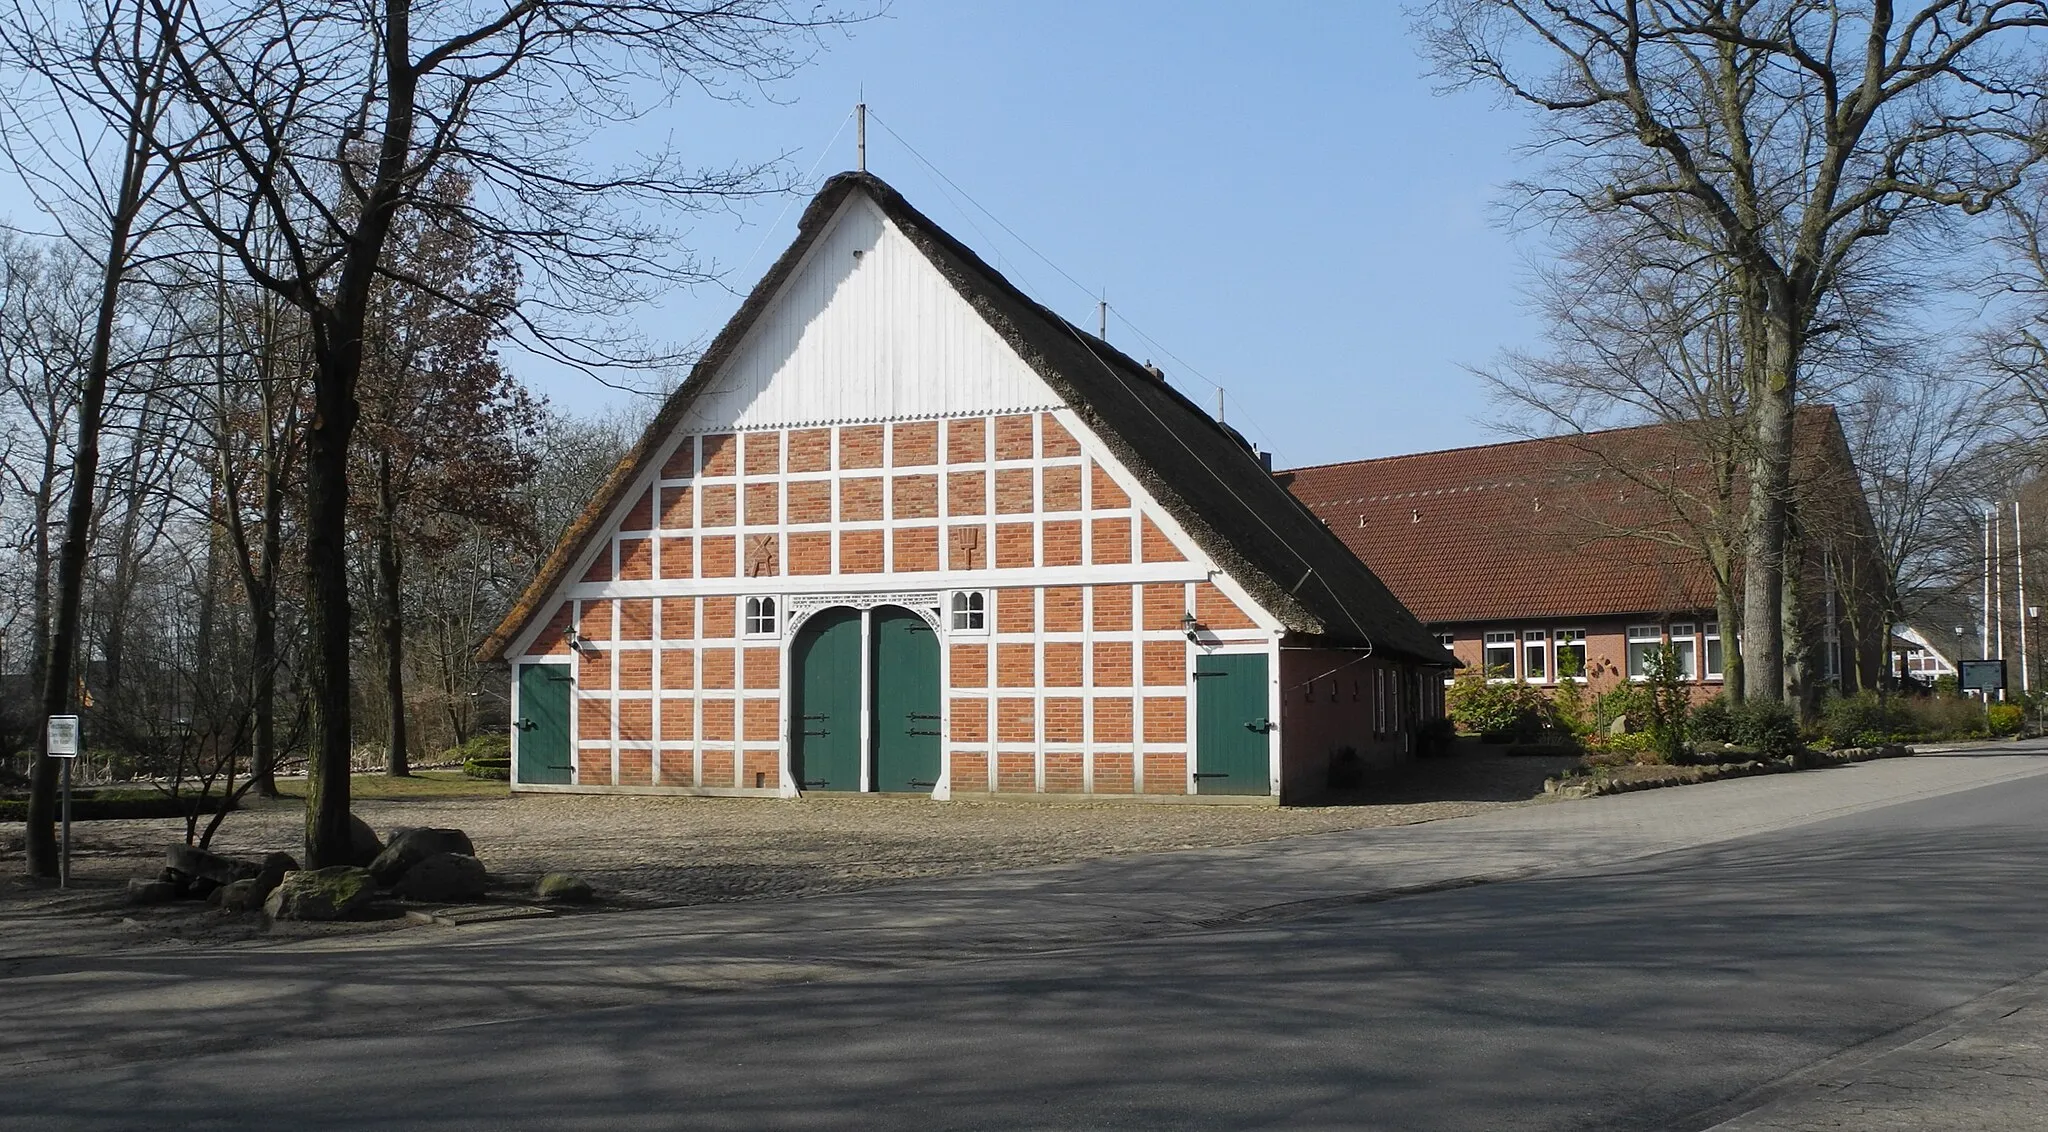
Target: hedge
87, 807
496, 769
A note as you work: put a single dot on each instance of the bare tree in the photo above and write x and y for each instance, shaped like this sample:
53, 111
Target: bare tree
94, 80
1788, 140
322, 125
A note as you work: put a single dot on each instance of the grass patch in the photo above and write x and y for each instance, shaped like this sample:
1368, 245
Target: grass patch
422, 784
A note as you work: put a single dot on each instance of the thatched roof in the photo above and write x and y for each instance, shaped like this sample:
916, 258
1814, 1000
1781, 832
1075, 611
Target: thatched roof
1199, 471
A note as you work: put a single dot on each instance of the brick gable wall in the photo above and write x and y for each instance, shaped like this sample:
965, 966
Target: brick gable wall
1077, 684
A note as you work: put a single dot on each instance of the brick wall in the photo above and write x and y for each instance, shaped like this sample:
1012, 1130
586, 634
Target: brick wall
1606, 640
1070, 687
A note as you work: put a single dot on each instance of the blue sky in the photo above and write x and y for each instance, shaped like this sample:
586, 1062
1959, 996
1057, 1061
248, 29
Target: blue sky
1281, 202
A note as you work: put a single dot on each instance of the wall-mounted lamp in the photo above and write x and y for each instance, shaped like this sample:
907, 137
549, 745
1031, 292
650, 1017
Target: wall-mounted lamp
579, 643
1189, 625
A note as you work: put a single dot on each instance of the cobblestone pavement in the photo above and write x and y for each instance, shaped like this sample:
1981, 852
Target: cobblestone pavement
1982, 1066
652, 851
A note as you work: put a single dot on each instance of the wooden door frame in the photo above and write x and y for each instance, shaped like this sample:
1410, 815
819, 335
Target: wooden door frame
568, 724
799, 609
1274, 736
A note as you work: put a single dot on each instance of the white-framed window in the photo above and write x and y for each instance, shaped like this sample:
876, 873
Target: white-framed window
1571, 643
1446, 640
1710, 643
970, 611
1685, 647
1500, 656
1643, 642
1536, 655
761, 620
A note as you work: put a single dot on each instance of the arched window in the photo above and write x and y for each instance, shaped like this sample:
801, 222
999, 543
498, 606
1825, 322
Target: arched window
761, 617
970, 611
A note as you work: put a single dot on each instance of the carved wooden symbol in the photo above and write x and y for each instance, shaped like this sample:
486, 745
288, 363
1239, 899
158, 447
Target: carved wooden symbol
760, 555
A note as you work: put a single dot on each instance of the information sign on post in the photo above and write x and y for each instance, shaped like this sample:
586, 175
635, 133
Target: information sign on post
62, 743
1985, 676
63, 737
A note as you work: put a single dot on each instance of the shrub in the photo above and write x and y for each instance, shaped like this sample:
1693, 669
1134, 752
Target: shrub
1948, 687
1434, 738
2005, 719
1769, 728
1670, 703
1630, 700
1944, 717
1713, 722
1862, 720
1619, 750
1568, 703
490, 745
1498, 712
123, 805
497, 769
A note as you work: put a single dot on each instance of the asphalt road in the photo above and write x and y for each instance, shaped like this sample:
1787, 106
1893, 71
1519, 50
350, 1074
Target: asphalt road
1649, 995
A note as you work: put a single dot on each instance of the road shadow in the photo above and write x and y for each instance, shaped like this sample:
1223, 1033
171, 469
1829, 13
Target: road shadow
1633, 997
1469, 773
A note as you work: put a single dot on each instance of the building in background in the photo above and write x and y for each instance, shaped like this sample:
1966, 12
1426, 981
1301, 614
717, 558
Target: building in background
1588, 553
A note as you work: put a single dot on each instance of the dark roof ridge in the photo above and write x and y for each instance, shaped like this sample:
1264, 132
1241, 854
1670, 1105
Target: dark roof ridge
1648, 426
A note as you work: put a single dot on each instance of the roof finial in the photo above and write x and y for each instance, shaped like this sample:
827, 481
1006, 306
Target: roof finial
860, 132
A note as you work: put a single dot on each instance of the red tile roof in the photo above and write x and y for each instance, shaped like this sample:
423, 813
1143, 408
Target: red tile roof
1568, 526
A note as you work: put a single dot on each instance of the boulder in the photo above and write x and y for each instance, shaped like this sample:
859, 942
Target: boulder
408, 847
275, 865
238, 896
198, 864
444, 878
562, 888
338, 892
142, 890
363, 845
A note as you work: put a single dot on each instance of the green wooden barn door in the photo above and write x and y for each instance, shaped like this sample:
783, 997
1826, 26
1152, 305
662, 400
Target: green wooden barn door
1232, 751
543, 724
824, 720
906, 719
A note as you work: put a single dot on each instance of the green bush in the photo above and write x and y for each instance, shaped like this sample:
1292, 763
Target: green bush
1498, 713
1944, 717
1862, 720
495, 769
490, 745
117, 806
1627, 699
1670, 704
1769, 728
2005, 719
1713, 721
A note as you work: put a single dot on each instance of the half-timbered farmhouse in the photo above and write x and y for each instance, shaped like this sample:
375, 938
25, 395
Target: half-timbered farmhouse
905, 530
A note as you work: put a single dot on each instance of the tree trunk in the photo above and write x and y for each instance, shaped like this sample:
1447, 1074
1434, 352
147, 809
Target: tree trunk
1770, 475
1730, 613
263, 658
1798, 658
391, 621
58, 682
338, 361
